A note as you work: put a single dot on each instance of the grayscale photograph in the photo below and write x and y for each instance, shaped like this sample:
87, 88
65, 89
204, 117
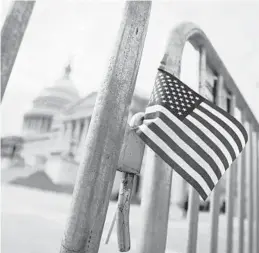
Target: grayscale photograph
129, 126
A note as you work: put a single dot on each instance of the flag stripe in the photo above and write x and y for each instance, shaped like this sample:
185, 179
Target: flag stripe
173, 160
216, 134
208, 141
202, 154
231, 122
186, 149
225, 127
220, 130
212, 137
200, 138
226, 117
181, 153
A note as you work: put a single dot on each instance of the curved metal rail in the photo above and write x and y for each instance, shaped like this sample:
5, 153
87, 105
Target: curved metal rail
151, 242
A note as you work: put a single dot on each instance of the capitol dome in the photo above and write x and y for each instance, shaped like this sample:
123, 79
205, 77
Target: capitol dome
51, 101
56, 97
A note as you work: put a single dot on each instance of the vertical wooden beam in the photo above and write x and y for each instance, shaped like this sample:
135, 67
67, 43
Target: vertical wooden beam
11, 37
104, 140
215, 196
241, 163
249, 171
194, 200
231, 172
155, 202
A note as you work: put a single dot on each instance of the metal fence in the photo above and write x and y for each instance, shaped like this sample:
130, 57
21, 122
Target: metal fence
246, 179
105, 137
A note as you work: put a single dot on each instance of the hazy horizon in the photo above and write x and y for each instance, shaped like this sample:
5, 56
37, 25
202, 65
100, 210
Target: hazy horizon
85, 32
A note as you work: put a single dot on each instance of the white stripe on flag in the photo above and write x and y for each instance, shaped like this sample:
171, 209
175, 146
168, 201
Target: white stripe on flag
227, 121
192, 153
177, 159
188, 131
212, 137
220, 129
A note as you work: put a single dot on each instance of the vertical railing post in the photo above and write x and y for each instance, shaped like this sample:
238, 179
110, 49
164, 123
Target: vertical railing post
193, 218
104, 140
230, 174
194, 200
256, 189
11, 37
249, 171
215, 196
241, 163
155, 202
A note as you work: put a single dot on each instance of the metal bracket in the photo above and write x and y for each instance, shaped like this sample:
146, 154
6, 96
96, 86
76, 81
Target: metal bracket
130, 161
133, 148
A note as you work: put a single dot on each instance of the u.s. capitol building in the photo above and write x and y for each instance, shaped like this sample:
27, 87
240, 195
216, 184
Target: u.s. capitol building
55, 129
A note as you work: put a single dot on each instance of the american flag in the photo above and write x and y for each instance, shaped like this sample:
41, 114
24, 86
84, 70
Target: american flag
195, 137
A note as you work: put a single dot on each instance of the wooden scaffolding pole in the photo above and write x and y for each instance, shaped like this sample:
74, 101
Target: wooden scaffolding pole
11, 37
104, 140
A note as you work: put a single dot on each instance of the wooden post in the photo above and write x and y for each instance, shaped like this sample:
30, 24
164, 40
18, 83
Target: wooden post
194, 200
155, 201
241, 163
11, 37
249, 171
231, 173
215, 197
104, 140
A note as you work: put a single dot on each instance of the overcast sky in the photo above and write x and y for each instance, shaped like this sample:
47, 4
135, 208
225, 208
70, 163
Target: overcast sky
84, 31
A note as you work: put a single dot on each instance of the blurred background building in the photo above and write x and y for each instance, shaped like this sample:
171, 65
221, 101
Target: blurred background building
55, 129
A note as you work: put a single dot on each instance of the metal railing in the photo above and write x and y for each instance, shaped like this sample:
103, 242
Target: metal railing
105, 137
247, 163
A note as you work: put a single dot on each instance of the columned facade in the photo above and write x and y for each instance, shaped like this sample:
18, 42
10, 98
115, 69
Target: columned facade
57, 127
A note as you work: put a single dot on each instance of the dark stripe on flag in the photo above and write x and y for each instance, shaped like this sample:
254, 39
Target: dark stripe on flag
225, 142
179, 151
208, 141
189, 141
224, 125
227, 115
172, 163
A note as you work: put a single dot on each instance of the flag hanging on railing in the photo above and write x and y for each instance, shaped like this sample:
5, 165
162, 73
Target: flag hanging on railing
195, 137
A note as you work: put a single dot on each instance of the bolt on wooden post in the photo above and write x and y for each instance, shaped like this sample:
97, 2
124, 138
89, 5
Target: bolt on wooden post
11, 37
104, 140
